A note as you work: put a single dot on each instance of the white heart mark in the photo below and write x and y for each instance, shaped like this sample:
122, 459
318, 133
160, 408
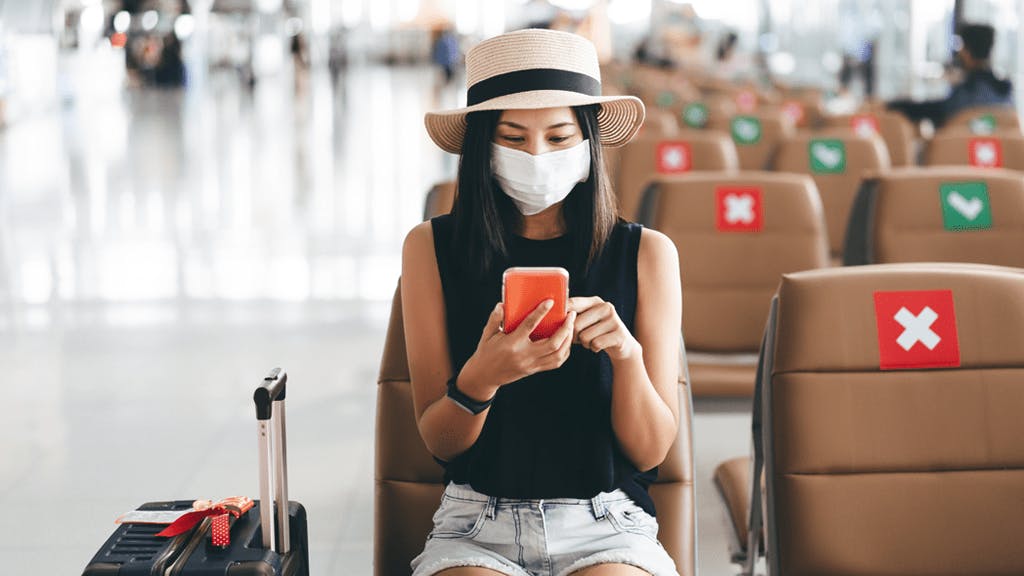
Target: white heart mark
827, 155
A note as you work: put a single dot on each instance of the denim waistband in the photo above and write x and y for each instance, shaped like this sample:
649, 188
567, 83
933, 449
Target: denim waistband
598, 504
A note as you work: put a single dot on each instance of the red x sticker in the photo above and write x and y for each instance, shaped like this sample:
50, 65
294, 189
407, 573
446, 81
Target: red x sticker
673, 157
794, 111
865, 125
916, 329
985, 152
739, 209
746, 101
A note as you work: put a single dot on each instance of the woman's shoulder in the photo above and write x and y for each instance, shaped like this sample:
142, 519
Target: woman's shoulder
424, 233
421, 235
656, 248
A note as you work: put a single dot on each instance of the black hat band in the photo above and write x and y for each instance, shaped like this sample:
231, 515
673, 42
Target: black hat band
529, 80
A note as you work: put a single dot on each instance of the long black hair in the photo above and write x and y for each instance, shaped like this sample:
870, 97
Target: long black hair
485, 217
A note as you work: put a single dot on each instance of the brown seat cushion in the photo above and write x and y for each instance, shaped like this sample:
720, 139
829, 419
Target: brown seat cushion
756, 134
440, 199
730, 272
732, 478
894, 128
940, 214
985, 120
885, 458
962, 148
713, 375
649, 156
854, 157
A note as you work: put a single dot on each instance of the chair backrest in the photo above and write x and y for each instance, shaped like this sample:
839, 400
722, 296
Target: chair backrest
962, 148
440, 199
647, 157
896, 131
891, 418
756, 135
942, 214
837, 160
659, 123
804, 109
736, 233
985, 120
409, 482
700, 113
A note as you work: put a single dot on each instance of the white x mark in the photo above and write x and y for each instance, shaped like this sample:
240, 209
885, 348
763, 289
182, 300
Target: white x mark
739, 208
674, 157
985, 154
917, 328
864, 127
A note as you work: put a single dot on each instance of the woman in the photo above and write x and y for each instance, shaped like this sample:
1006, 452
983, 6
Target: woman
548, 446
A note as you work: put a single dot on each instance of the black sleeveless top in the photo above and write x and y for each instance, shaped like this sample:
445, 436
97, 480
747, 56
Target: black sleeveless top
548, 435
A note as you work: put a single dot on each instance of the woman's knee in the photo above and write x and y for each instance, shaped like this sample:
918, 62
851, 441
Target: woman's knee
469, 571
611, 570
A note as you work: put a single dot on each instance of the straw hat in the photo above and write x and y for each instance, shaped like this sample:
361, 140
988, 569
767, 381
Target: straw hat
530, 69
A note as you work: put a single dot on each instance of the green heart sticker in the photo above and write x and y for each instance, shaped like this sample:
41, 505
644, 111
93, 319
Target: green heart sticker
746, 130
695, 115
827, 156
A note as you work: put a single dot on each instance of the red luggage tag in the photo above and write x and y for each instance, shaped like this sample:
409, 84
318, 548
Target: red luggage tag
221, 513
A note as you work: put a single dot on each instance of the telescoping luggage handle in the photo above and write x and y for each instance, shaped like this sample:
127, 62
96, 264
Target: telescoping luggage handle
269, 399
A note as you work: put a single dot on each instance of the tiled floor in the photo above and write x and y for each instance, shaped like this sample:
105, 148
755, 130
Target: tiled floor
160, 250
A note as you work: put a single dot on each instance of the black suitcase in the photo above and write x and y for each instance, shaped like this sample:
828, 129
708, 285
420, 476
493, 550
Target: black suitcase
265, 541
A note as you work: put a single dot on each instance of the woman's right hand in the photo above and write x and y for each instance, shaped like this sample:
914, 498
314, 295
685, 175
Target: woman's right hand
501, 358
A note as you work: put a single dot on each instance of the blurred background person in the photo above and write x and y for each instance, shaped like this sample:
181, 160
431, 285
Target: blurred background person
445, 51
859, 37
979, 85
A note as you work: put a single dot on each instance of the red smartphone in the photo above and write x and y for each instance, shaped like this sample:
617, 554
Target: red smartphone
523, 289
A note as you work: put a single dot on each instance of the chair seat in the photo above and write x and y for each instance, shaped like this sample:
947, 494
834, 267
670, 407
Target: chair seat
722, 375
732, 478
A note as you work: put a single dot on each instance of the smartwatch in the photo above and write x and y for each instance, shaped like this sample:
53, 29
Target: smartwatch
465, 402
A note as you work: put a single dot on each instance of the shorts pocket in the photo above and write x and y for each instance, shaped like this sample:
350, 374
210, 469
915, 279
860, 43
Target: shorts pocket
458, 518
629, 518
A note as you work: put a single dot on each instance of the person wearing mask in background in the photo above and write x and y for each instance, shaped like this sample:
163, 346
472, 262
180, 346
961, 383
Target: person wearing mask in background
980, 86
549, 445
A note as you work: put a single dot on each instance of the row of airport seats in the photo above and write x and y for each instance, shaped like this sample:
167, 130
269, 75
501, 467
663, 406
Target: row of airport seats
836, 158
831, 521
887, 431
737, 232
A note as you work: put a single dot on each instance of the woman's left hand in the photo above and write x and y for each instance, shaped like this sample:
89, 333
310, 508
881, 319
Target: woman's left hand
598, 327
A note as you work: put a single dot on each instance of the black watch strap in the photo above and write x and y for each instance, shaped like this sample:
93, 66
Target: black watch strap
465, 402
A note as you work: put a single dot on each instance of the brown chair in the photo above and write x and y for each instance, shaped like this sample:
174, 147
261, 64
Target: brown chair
962, 148
659, 123
736, 233
852, 157
804, 111
646, 157
440, 199
757, 136
699, 114
811, 102
942, 214
896, 131
891, 421
409, 483
985, 120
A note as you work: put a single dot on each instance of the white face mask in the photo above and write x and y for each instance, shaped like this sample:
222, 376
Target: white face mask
536, 183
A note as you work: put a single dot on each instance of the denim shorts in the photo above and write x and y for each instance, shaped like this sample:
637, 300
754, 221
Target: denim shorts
541, 537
